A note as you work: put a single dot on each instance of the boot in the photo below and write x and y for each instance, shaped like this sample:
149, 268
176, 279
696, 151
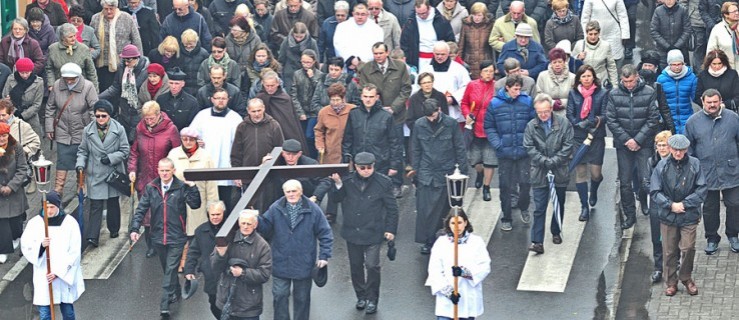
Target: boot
31, 188
61, 178
594, 191
582, 191
478, 180
486, 193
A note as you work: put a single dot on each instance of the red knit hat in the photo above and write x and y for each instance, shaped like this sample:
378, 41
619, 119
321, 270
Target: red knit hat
4, 128
24, 65
156, 68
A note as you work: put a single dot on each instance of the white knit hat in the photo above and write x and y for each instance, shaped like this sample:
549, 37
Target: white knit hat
675, 56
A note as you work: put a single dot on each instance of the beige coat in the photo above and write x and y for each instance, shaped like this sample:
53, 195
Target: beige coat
145, 96
75, 116
31, 100
208, 189
22, 132
600, 58
557, 90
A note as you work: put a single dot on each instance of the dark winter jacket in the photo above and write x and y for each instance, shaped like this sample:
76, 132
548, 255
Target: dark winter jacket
505, 124
253, 140
168, 211
678, 181
727, 84
247, 298
554, 32
711, 12
373, 131
549, 152
198, 255
437, 148
45, 37
236, 101
53, 10
679, 94
240, 54
284, 21
536, 9
294, 249
715, 142
598, 109
289, 58
280, 107
190, 62
113, 93
366, 224
302, 90
320, 96
665, 115
473, 43
31, 49
326, 39
174, 25
670, 28
632, 114
180, 109
156, 57
415, 106
265, 23
402, 9
536, 61
146, 19
409, 36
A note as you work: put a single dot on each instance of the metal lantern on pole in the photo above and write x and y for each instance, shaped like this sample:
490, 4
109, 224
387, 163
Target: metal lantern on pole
42, 174
456, 185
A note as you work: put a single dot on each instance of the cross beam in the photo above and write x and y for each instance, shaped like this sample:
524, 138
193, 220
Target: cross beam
257, 176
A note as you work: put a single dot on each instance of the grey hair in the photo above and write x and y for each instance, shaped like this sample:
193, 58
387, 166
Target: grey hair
292, 183
67, 29
113, 3
249, 214
441, 45
592, 25
216, 205
341, 5
543, 97
216, 66
255, 102
22, 22
271, 75
628, 70
711, 93
510, 64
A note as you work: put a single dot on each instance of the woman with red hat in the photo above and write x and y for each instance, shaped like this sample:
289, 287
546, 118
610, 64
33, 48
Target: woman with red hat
13, 202
156, 84
26, 91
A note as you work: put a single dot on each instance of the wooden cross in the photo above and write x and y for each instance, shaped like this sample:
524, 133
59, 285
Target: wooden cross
255, 176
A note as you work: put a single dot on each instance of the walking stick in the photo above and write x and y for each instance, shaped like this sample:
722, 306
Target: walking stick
48, 256
320, 156
130, 242
81, 200
456, 258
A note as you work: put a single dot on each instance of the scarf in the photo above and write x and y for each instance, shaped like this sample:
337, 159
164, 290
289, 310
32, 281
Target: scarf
447, 13
153, 88
258, 67
587, 103
677, 76
128, 88
165, 59
718, 73
102, 130
16, 94
441, 67
241, 40
559, 78
293, 212
524, 51
223, 63
338, 108
78, 35
151, 128
69, 50
112, 49
564, 20
291, 43
462, 239
16, 48
191, 151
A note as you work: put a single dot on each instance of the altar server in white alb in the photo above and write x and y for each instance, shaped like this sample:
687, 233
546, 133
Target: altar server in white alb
65, 250
450, 78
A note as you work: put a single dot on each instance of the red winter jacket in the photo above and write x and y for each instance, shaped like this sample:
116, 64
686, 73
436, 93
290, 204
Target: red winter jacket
149, 148
480, 93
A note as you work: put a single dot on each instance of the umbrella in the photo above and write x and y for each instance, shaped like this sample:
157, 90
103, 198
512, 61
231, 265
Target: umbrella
469, 133
555, 200
226, 313
583, 149
81, 200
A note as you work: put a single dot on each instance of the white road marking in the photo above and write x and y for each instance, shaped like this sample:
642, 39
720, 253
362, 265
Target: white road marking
484, 215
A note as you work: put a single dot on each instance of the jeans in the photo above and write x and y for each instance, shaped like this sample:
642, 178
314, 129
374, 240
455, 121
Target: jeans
363, 257
712, 217
66, 308
113, 219
701, 45
541, 201
627, 160
169, 258
301, 298
512, 173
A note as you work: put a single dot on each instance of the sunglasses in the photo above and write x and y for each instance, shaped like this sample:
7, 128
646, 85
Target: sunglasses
364, 167
130, 59
101, 116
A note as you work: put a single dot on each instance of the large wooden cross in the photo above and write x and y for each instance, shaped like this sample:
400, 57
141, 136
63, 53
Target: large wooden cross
255, 176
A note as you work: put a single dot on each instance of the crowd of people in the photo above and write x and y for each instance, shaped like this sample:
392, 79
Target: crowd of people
402, 90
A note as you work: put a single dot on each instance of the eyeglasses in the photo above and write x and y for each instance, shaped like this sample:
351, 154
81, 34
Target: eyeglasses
130, 59
661, 145
189, 139
364, 167
374, 9
101, 116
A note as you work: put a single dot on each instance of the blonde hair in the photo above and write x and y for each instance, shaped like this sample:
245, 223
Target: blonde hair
169, 43
150, 107
560, 4
662, 136
243, 10
479, 7
189, 35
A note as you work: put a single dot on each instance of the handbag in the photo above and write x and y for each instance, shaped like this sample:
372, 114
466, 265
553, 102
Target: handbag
119, 181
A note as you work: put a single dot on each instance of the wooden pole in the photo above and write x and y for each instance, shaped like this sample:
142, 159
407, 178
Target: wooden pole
456, 259
48, 256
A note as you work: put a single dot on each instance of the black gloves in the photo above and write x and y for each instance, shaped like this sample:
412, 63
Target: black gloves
549, 163
18, 114
105, 160
585, 124
456, 271
455, 297
80, 169
347, 158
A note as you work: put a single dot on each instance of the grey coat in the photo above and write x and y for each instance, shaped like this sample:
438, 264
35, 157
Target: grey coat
549, 152
81, 56
88, 38
436, 149
715, 142
125, 33
32, 98
75, 116
670, 28
13, 170
92, 149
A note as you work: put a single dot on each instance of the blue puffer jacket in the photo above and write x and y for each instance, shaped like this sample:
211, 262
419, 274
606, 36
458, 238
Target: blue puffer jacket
678, 93
505, 124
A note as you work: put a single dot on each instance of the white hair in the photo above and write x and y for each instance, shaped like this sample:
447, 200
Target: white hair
248, 214
216, 205
441, 45
341, 5
292, 183
113, 3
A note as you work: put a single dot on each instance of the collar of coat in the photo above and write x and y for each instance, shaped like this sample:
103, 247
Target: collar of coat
524, 19
176, 184
556, 123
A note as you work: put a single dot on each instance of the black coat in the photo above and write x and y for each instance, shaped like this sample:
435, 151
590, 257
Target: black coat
198, 256
367, 223
727, 84
710, 11
549, 152
156, 57
222, 13
168, 211
632, 114
315, 186
415, 106
190, 62
374, 132
236, 101
574, 106
670, 28
113, 93
436, 149
180, 109
409, 36
148, 28
678, 181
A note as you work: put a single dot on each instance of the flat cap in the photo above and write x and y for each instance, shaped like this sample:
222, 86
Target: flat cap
291, 145
679, 142
364, 158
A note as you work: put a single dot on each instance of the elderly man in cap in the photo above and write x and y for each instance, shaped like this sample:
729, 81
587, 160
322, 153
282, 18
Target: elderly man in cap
504, 27
245, 263
180, 106
714, 138
198, 257
678, 189
296, 226
529, 53
437, 148
366, 226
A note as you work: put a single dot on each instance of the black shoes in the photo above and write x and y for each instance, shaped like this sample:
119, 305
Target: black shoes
478, 180
711, 248
628, 53
486, 193
93, 242
164, 314
656, 276
584, 214
150, 253
537, 248
628, 223
644, 205
556, 239
361, 304
371, 308
113, 235
426, 249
